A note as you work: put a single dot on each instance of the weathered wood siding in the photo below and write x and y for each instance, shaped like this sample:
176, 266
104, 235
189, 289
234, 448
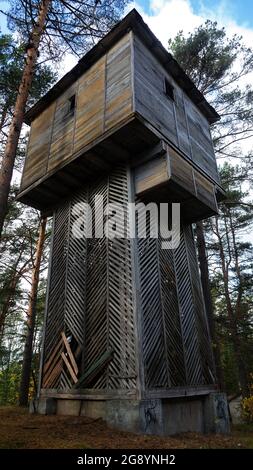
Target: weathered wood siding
90, 105
63, 128
180, 120
126, 79
38, 147
119, 93
104, 99
173, 168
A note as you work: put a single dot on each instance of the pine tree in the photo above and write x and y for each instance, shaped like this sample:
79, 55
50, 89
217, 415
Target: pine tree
55, 25
231, 270
31, 315
216, 64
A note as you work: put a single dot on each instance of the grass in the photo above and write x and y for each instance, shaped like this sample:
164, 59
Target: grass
20, 430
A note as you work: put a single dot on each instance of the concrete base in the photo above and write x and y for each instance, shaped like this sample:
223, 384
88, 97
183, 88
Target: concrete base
205, 414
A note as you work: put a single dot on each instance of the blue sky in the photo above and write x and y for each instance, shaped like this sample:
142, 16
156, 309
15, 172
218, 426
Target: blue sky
241, 11
3, 24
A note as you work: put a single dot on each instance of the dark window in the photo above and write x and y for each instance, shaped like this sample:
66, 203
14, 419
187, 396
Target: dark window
72, 103
169, 89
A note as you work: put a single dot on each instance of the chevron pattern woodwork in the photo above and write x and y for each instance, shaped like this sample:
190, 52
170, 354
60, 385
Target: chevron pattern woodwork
91, 291
136, 299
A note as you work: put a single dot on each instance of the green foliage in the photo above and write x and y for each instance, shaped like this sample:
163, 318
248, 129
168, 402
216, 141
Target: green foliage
206, 54
20, 233
228, 233
71, 26
247, 405
216, 64
11, 68
17, 252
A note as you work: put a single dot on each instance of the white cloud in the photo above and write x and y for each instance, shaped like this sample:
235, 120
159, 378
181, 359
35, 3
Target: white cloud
69, 61
167, 17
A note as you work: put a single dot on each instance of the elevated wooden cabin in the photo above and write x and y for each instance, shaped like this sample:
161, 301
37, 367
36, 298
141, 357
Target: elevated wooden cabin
126, 336
123, 98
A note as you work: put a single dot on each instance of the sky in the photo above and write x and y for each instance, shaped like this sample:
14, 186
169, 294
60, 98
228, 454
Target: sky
167, 17
240, 11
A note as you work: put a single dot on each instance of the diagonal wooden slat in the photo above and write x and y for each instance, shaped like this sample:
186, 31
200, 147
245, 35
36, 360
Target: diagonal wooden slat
70, 354
187, 314
200, 314
91, 306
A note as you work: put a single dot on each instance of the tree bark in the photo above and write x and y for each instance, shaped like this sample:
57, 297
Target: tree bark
19, 110
31, 318
205, 281
3, 116
6, 305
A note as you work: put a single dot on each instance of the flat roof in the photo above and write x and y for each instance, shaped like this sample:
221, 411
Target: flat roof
132, 22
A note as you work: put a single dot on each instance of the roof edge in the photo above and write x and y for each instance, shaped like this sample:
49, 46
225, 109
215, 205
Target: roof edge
132, 21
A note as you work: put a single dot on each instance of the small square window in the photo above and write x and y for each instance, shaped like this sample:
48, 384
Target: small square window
72, 103
169, 89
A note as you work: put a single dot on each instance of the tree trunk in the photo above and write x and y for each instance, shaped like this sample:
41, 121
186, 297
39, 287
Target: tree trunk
3, 116
6, 303
11, 288
235, 338
205, 281
31, 317
19, 110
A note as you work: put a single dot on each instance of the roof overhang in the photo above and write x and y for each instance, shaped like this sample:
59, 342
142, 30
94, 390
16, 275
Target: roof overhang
132, 22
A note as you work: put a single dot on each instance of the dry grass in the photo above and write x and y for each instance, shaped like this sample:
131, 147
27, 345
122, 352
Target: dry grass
20, 430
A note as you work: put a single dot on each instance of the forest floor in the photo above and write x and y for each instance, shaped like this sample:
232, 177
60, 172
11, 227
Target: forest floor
21, 430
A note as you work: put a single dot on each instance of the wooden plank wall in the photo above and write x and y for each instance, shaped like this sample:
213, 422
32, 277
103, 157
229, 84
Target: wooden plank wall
150, 100
160, 171
38, 147
63, 127
90, 105
104, 98
180, 120
119, 94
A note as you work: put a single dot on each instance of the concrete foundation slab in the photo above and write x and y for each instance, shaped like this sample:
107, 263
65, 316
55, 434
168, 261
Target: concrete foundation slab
164, 417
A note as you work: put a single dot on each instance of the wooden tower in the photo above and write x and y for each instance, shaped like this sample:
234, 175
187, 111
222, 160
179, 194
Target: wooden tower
126, 336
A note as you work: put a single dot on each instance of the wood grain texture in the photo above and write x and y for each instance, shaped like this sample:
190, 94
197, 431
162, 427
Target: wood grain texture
200, 140
90, 106
118, 99
171, 173
151, 174
127, 79
179, 121
38, 147
205, 191
150, 99
63, 128
182, 171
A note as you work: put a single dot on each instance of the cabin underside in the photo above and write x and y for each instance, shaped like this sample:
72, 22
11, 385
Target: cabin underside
135, 143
